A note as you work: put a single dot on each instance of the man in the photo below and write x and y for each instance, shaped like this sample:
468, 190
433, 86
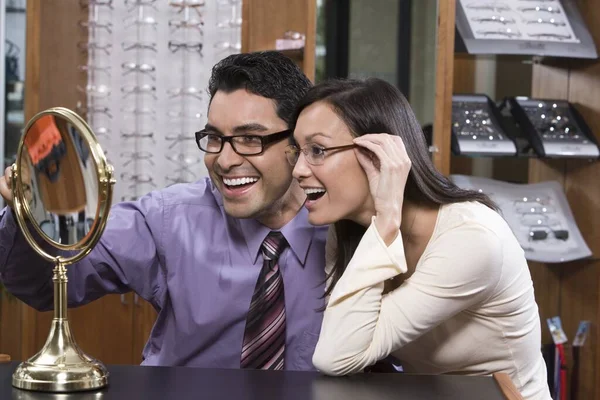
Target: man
195, 251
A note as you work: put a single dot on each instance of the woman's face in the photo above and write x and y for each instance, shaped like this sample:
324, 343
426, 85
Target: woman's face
338, 188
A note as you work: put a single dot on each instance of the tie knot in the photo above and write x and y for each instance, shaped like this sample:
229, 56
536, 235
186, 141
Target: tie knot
273, 245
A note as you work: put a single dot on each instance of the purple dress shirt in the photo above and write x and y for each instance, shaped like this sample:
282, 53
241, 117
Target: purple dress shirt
179, 250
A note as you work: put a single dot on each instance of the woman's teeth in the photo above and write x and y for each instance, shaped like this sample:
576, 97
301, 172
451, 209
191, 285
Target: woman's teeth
239, 181
313, 191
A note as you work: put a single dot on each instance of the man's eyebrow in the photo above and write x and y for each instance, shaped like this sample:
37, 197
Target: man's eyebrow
240, 129
211, 128
249, 128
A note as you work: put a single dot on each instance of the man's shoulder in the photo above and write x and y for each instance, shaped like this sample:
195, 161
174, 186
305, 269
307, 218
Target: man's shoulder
200, 193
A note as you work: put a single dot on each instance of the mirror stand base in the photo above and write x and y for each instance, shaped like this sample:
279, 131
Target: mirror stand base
60, 366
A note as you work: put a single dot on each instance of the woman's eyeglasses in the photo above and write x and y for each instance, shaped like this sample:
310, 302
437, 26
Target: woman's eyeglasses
314, 154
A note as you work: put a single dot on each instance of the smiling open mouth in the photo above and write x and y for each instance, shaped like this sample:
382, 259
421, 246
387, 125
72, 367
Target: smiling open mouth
239, 183
314, 194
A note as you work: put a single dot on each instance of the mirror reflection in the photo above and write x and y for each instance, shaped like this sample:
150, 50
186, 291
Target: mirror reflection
59, 181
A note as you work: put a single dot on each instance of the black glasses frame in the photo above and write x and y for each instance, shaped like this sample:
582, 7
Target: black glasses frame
264, 140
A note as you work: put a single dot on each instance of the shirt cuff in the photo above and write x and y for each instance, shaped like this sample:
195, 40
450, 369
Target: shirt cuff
8, 229
372, 264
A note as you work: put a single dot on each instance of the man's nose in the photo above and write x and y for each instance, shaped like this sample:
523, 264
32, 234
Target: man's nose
228, 158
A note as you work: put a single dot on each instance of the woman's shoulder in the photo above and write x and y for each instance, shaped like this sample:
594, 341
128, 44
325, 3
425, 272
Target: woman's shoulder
469, 214
469, 224
470, 240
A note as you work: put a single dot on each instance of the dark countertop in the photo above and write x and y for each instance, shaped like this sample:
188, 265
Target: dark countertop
181, 383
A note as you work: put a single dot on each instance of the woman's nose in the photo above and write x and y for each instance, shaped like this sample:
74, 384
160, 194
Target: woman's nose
302, 168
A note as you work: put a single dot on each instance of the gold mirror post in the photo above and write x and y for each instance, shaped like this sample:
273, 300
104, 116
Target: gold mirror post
61, 366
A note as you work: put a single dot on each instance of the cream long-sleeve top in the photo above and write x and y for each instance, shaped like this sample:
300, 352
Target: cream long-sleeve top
468, 308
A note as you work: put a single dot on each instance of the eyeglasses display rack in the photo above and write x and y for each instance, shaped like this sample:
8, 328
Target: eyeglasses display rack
539, 28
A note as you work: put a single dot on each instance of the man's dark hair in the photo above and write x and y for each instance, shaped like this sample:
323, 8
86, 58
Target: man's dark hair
268, 74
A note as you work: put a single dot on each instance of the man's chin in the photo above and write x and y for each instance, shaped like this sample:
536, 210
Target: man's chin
239, 210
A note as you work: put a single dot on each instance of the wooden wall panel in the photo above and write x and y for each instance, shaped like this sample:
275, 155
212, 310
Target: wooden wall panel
10, 326
464, 73
444, 75
265, 21
463, 82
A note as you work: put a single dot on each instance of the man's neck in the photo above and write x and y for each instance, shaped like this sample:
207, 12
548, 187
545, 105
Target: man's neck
286, 208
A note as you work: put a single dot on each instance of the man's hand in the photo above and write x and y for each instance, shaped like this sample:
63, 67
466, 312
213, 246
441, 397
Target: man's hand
6, 187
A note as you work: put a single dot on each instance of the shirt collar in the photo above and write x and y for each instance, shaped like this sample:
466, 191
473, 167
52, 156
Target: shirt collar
298, 232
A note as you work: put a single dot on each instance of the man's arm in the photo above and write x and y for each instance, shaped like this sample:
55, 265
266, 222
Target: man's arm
125, 258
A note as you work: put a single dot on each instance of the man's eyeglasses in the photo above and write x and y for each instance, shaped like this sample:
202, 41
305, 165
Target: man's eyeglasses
314, 154
244, 145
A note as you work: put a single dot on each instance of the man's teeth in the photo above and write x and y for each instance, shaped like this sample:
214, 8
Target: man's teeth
239, 181
312, 191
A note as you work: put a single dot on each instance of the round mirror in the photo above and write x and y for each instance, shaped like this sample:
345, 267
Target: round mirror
62, 192
62, 182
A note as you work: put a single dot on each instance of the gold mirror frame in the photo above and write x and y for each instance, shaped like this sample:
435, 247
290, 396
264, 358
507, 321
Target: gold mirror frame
61, 366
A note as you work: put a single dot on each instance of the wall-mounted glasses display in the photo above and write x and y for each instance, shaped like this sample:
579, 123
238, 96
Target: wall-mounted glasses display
553, 127
518, 19
539, 216
543, 28
477, 129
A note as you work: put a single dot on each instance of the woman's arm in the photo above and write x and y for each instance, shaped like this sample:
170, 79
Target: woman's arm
361, 326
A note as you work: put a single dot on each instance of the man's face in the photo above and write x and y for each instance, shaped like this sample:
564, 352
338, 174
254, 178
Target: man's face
252, 186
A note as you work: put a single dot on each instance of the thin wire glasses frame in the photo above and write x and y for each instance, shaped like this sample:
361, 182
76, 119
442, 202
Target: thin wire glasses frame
314, 154
253, 145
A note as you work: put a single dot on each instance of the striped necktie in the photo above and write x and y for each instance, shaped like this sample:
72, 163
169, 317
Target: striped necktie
264, 337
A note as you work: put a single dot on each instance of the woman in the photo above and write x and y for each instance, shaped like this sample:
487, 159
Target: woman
417, 268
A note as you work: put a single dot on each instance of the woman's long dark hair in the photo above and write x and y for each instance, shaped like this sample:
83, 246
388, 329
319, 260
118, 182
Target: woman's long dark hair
374, 106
